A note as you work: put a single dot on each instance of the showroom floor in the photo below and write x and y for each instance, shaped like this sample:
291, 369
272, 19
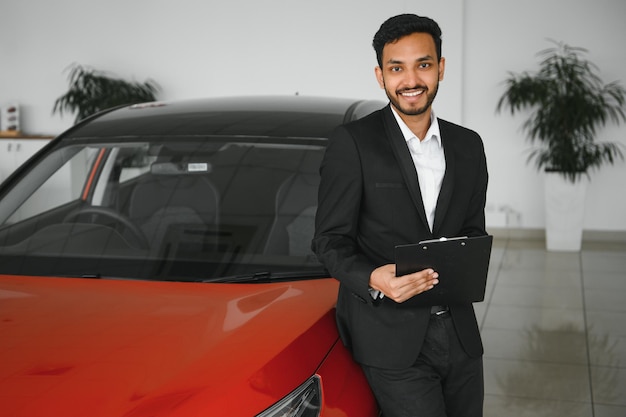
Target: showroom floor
554, 330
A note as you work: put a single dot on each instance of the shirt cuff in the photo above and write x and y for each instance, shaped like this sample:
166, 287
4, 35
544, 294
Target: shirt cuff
376, 295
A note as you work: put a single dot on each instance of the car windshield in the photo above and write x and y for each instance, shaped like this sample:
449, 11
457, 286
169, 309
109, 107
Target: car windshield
183, 208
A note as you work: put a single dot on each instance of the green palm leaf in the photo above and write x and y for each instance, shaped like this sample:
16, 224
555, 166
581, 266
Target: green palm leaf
568, 104
92, 91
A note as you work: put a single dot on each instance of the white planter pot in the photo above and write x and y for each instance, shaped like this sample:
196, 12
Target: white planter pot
565, 212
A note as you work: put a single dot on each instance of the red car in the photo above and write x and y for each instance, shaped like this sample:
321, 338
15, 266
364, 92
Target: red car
155, 261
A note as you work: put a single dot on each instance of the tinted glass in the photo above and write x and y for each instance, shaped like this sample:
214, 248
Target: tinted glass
183, 208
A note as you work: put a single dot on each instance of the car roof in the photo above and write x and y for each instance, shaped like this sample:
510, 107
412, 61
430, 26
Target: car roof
271, 116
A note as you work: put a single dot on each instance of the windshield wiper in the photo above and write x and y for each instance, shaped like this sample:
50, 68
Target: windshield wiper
268, 276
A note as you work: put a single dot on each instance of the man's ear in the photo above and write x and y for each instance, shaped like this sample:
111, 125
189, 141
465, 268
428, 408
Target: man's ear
379, 77
442, 67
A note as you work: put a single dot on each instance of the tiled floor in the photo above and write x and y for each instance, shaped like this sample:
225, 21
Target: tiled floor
554, 330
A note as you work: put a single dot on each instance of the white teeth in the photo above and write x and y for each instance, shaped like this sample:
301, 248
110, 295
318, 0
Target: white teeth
414, 94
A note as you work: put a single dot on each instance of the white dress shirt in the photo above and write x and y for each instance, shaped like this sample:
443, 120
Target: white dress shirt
430, 165
429, 160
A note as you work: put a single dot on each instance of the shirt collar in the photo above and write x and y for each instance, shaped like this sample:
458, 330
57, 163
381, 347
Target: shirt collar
432, 132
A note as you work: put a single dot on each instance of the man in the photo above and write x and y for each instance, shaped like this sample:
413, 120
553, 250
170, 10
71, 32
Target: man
399, 176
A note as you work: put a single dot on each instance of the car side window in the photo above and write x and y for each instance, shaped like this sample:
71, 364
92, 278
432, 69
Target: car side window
63, 186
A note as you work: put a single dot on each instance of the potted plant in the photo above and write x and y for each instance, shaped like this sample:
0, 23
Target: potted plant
568, 103
92, 91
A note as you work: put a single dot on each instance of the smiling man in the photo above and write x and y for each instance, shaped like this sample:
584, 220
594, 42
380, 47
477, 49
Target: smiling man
399, 176
410, 74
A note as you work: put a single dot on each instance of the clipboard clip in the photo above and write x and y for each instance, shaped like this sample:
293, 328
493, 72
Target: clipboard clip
443, 239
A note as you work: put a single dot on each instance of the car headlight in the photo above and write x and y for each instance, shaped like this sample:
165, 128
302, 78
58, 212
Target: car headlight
304, 401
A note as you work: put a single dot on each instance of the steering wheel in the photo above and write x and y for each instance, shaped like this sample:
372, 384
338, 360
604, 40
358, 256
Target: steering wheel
117, 217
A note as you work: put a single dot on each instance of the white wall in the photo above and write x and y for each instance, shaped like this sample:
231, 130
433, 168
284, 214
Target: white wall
504, 36
194, 48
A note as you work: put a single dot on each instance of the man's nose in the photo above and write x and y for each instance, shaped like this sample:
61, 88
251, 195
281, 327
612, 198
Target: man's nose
412, 78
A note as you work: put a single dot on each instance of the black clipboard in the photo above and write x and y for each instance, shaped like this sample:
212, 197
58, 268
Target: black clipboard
461, 262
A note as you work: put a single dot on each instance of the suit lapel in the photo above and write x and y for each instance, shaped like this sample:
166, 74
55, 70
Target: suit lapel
447, 186
407, 167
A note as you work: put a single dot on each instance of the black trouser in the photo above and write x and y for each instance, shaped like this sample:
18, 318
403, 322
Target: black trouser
443, 382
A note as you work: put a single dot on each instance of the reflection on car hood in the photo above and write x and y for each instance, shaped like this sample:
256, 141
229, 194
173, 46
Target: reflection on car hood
89, 347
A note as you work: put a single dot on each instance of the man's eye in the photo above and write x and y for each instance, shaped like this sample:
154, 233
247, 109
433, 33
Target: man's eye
395, 69
424, 65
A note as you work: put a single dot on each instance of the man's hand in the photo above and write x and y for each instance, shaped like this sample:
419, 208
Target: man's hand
400, 289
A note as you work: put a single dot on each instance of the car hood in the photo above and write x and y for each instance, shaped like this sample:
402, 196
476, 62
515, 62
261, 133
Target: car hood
78, 347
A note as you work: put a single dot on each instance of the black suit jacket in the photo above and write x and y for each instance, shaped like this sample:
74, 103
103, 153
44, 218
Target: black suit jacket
370, 201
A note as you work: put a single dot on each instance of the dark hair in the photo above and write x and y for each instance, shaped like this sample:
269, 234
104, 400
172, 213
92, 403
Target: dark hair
402, 25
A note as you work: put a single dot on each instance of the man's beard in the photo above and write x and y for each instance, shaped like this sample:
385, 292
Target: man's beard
430, 97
